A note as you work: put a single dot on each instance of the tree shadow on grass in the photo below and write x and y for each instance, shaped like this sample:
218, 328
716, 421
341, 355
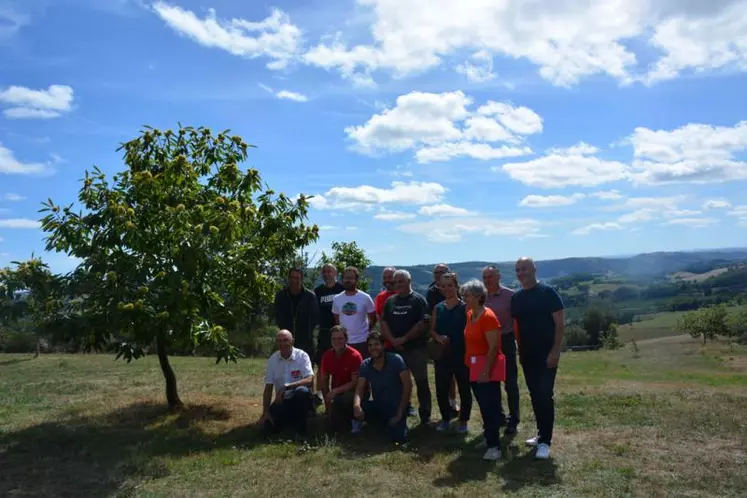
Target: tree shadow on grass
99, 456
14, 361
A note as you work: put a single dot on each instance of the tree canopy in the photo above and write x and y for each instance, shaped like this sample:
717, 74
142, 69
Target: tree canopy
179, 247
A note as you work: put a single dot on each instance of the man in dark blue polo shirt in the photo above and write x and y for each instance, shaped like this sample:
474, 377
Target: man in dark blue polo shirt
537, 310
389, 379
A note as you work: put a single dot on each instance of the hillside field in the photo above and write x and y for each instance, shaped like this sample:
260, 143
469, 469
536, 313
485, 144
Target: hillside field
667, 423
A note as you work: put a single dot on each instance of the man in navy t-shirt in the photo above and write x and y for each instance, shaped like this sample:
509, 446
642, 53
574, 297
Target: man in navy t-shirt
391, 386
537, 310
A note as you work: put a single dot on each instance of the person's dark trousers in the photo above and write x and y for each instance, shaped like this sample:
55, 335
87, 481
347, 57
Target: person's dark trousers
511, 385
323, 344
446, 370
541, 386
341, 411
292, 412
488, 396
417, 362
378, 414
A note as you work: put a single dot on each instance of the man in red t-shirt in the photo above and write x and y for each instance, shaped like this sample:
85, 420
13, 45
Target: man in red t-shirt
340, 367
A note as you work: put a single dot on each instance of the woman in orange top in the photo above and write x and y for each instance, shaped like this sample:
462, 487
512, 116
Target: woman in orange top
482, 338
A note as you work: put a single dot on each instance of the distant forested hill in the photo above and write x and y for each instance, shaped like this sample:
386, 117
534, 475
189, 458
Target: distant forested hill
646, 266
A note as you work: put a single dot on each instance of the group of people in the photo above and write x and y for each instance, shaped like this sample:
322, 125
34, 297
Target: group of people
366, 375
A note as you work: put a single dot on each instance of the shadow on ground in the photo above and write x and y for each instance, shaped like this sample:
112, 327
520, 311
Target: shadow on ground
517, 469
98, 456
112, 453
14, 361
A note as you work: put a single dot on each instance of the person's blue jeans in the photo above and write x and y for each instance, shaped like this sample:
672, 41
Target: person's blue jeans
488, 396
378, 413
292, 412
541, 385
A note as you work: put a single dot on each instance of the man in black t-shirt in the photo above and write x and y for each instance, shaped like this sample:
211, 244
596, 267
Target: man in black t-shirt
324, 295
403, 325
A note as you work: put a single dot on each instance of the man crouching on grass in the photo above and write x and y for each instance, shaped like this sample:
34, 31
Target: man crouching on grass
391, 386
289, 372
340, 366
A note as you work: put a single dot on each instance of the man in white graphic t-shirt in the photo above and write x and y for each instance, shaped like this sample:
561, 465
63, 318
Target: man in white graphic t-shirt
354, 310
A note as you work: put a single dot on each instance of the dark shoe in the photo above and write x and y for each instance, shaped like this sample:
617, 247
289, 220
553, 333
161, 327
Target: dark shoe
510, 431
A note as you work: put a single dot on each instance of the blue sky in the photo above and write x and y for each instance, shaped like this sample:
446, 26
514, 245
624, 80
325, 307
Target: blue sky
428, 131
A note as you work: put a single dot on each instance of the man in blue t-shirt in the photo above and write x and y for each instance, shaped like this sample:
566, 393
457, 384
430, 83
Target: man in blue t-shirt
391, 386
537, 310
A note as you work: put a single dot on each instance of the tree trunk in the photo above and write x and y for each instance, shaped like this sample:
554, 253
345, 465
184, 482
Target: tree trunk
172, 395
704, 339
38, 348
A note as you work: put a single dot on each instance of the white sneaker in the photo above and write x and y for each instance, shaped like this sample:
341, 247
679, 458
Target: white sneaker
492, 454
532, 442
357, 426
543, 452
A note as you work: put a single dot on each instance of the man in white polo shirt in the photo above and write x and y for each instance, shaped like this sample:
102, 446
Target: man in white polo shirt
354, 310
290, 374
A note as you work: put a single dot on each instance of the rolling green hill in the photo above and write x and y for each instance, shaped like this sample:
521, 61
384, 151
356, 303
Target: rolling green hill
648, 266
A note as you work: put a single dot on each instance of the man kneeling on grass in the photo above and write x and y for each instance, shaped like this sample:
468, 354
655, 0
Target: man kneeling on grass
391, 386
289, 372
340, 366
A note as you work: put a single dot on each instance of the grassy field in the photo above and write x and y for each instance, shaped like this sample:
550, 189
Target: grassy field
669, 422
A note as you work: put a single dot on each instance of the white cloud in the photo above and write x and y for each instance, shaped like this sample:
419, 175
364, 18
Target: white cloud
479, 68
639, 216
560, 170
444, 210
580, 149
485, 129
546, 201
19, 223
275, 37
366, 197
741, 213
295, 96
394, 216
521, 120
12, 197
702, 42
439, 127
481, 151
10, 165
716, 204
453, 231
26, 103
657, 203
607, 195
694, 153
418, 118
567, 40
594, 227
285, 94
693, 222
